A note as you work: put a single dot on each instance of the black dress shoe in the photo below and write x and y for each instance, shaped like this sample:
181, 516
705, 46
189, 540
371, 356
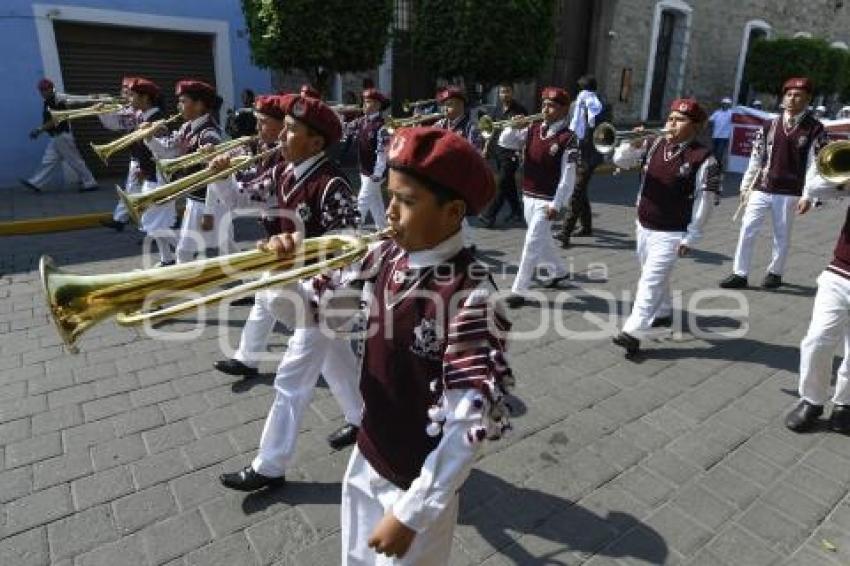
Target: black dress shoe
247, 479
515, 301
839, 420
88, 189
555, 282
662, 322
803, 416
114, 224
771, 281
235, 367
345, 436
734, 282
628, 342
31, 186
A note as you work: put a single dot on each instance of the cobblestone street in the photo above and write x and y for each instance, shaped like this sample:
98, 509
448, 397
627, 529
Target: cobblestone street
111, 457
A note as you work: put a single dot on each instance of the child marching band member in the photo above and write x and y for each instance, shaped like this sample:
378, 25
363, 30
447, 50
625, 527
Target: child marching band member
314, 198
830, 326
371, 138
673, 206
434, 374
551, 154
197, 101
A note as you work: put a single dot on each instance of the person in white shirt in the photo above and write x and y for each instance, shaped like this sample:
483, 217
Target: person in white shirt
721, 129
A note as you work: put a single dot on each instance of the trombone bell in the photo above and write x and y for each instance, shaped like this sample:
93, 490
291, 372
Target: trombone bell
606, 137
833, 162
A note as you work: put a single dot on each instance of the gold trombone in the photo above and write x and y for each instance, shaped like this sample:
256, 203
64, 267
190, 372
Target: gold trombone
833, 161
393, 124
346, 108
137, 203
411, 105
488, 126
167, 167
606, 136
78, 302
76, 113
106, 150
90, 98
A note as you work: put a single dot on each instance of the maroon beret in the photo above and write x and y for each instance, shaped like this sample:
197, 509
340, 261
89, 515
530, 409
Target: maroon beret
375, 94
141, 85
445, 159
270, 105
44, 84
195, 89
690, 108
450, 92
802, 83
309, 92
555, 94
314, 113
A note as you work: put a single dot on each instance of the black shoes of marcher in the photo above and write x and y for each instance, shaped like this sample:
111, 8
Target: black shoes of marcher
555, 282
235, 367
515, 301
839, 420
88, 189
662, 322
734, 282
803, 416
345, 436
114, 224
771, 281
628, 342
31, 186
247, 479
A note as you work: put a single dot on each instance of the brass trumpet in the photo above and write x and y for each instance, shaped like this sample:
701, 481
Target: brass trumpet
411, 105
393, 124
76, 113
167, 167
78, 302
606, 136
488, 126
137, 204
106, 150
833, 161
346, 108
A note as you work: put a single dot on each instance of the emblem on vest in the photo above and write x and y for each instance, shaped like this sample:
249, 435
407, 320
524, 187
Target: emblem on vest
802, 141
684, 170
426, 343
303, 212
553, 149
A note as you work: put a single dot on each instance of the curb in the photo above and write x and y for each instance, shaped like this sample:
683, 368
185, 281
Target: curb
53, 224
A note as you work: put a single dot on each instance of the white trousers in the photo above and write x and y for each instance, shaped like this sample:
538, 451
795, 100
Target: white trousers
830, 325
370, 201
657, 253
781, 209
193, 240
61, 149
366, 498
131, 186
538, 251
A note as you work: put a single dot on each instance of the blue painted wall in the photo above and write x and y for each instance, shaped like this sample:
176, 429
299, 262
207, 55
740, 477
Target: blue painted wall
21, 67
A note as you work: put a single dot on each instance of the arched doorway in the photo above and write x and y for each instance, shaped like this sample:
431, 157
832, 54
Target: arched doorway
667, 57
753, 30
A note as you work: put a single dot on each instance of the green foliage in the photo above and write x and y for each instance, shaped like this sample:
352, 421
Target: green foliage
771, 61
484, 41
318, 37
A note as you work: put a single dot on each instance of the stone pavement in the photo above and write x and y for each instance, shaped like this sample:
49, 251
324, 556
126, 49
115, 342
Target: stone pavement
111, 457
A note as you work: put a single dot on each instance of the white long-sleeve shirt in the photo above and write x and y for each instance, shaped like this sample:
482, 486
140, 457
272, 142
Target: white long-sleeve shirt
588, 101
517, 138
628, 157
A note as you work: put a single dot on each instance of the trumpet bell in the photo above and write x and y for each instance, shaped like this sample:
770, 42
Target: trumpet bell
604, 138
833, 162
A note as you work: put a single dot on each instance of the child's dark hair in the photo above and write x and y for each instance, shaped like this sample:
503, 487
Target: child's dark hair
441, 193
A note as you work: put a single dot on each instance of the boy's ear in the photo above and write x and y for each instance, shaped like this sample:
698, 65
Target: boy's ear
457, 209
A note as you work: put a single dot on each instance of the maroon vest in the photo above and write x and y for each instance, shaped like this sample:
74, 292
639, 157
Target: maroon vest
786, 168
840, 264
367, 143
542, 169
322, 198
668, 187
404, 354
208, 132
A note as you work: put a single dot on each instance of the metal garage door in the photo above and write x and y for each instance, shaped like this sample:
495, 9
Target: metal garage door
93, 58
